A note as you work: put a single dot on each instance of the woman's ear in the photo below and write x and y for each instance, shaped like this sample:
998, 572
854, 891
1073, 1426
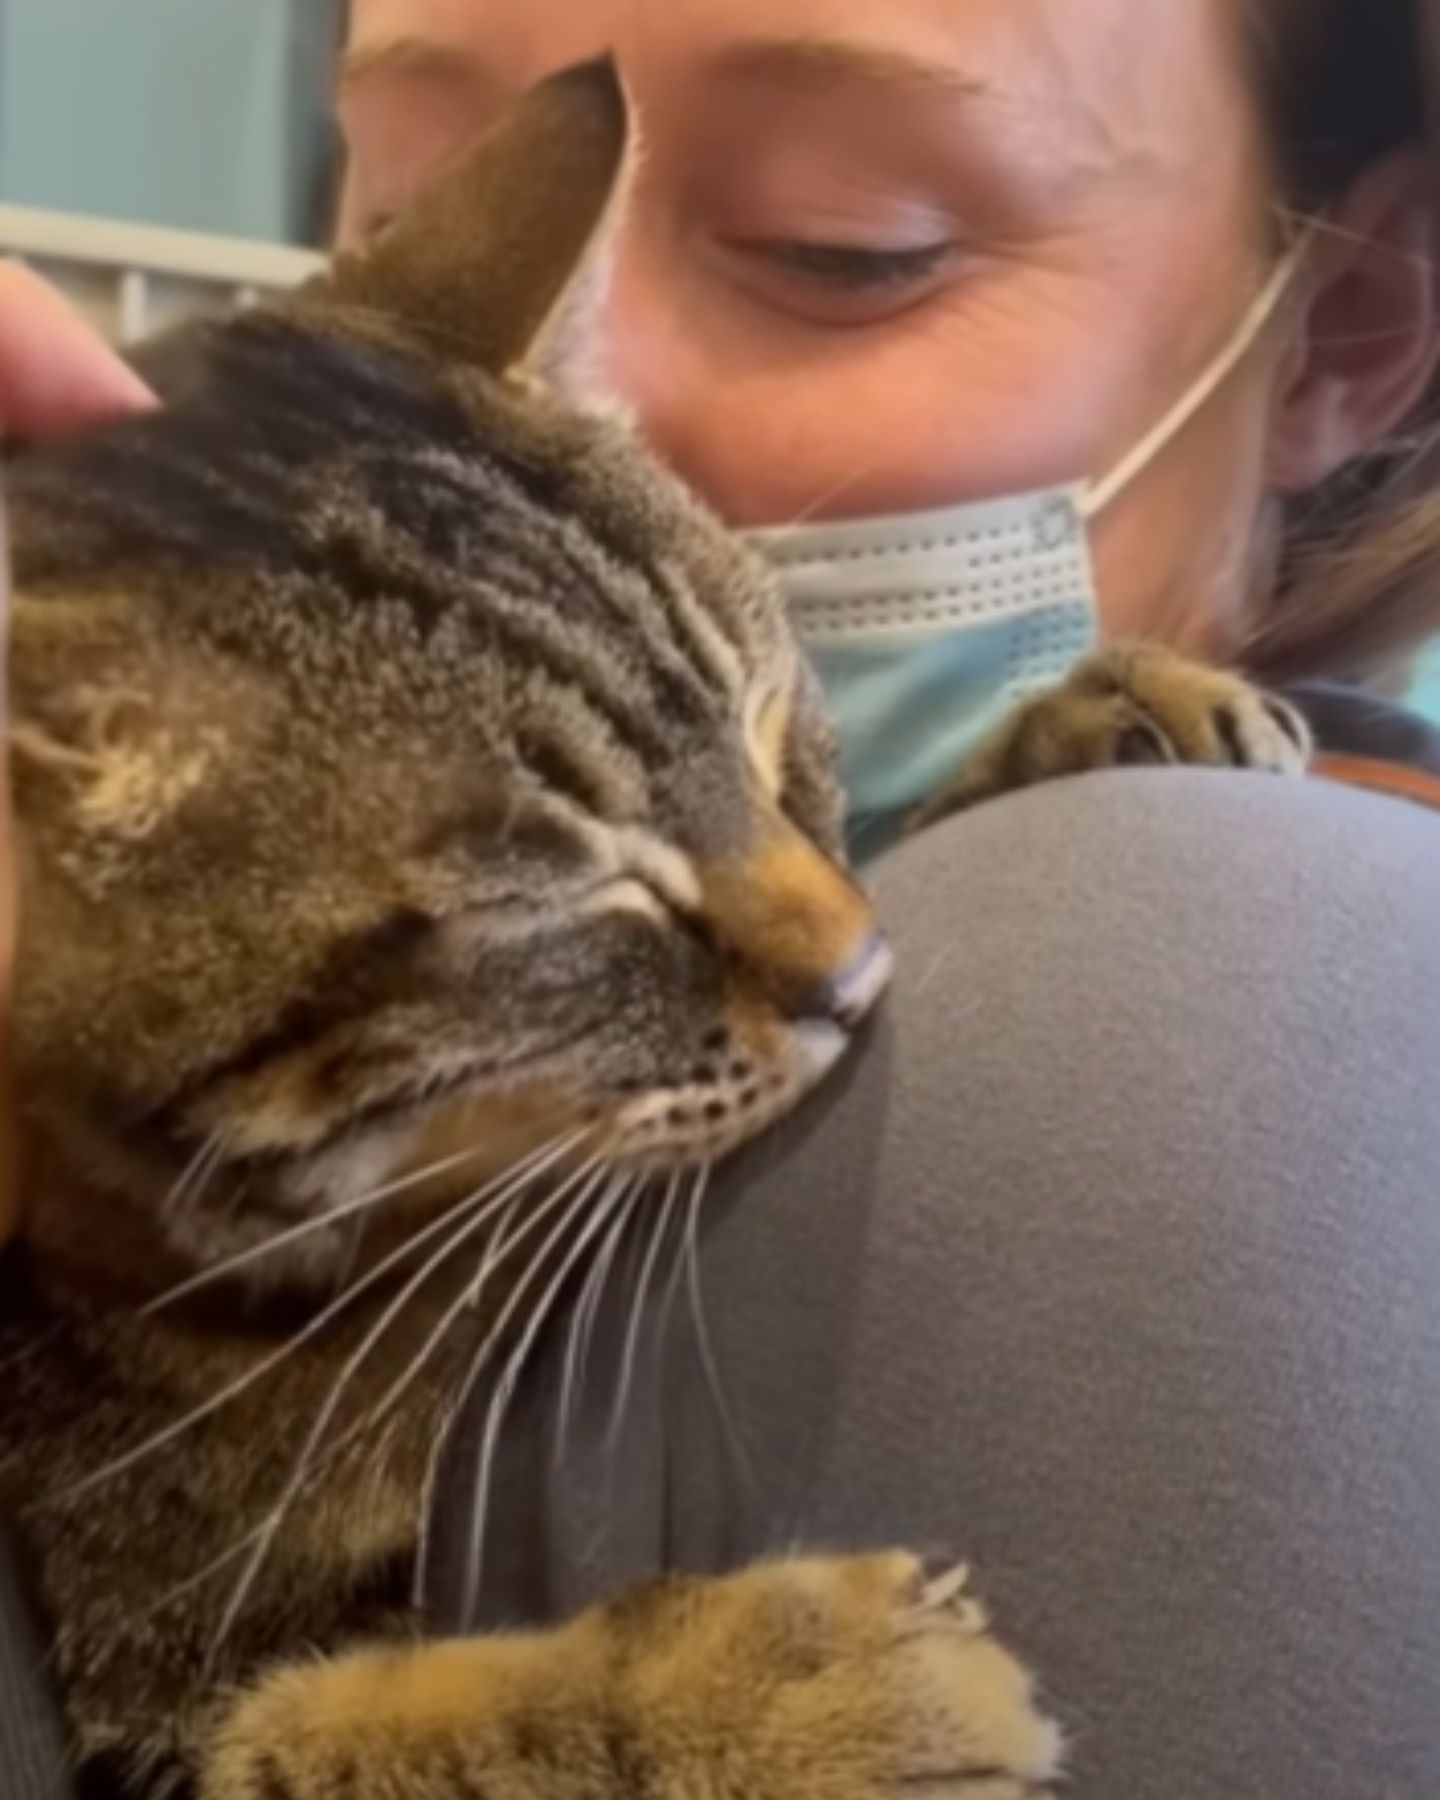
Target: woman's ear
1369, 338
479, 267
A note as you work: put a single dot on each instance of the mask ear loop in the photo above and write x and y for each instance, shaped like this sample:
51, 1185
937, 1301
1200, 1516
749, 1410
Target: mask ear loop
1099, 494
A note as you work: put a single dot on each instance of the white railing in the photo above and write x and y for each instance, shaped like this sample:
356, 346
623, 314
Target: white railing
131, 280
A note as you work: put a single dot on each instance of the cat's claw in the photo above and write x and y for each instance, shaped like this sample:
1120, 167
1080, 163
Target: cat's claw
946, 1596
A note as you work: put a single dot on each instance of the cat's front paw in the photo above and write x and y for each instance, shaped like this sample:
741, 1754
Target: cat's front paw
856, 1679
1141, 704
1134, 705
861, 1678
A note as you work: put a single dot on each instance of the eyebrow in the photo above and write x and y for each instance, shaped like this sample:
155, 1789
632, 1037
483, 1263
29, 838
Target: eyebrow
818, 60
409, 56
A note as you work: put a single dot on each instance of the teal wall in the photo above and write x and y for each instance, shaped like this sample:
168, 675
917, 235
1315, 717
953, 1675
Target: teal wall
1425, 690
200, 114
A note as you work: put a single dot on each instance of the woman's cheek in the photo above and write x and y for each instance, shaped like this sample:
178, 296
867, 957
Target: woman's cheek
1181, 555
994, 388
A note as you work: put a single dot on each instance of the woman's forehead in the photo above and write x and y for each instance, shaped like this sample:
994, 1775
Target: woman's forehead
1138, 97
1040, 45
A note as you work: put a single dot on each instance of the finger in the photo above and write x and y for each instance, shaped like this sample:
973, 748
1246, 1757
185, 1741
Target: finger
56, 374
8, 1196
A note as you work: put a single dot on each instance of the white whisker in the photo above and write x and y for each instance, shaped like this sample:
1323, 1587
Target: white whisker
509, 1380
195, 1174
304, 1464
501, 1244
532, 1168
377, 1461
596, 1173
333, 1216
703, 1341
22, 1353
828, 496
633, 1328
677, 1268
498, 1252
216, 1566
582, 1328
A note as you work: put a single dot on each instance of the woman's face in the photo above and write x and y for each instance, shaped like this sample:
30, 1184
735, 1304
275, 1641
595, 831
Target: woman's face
893, 254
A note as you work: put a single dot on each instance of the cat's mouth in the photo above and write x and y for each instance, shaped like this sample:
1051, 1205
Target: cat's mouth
672, 1126
705, 1120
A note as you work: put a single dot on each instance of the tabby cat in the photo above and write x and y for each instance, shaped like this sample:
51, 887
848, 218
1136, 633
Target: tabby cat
430, 844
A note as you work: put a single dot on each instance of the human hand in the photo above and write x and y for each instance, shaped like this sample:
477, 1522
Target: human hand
56, 376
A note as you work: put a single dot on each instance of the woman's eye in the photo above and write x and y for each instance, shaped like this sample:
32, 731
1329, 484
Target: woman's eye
837, 284
853, 267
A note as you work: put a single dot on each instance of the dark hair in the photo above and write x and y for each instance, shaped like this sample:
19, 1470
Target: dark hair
1348, 81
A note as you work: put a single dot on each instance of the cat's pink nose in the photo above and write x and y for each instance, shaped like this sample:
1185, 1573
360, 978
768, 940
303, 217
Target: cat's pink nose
847, 997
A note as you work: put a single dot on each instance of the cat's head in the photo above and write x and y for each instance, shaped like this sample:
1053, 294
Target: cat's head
406, 768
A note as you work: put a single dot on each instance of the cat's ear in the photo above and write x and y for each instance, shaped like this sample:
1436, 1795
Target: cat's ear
484, 261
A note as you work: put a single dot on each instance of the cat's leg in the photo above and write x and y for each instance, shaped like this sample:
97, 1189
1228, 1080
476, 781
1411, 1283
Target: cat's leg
1132, 704
855, 1679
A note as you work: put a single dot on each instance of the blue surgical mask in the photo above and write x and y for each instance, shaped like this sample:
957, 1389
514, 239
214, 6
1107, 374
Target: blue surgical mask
926, 629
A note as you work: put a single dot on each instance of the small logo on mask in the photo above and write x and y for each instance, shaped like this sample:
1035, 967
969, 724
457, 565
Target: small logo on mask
1056, 524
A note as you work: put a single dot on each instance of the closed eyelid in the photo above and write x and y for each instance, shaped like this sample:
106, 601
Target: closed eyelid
625, 855
667, 872
629, 894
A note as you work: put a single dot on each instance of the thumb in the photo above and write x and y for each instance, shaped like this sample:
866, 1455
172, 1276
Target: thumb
9, 1211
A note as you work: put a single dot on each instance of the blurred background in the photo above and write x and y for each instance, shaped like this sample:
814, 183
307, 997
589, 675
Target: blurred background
166, 158
159, 157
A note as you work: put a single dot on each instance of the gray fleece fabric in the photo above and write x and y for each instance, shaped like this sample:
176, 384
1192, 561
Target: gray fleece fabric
1113, 1264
